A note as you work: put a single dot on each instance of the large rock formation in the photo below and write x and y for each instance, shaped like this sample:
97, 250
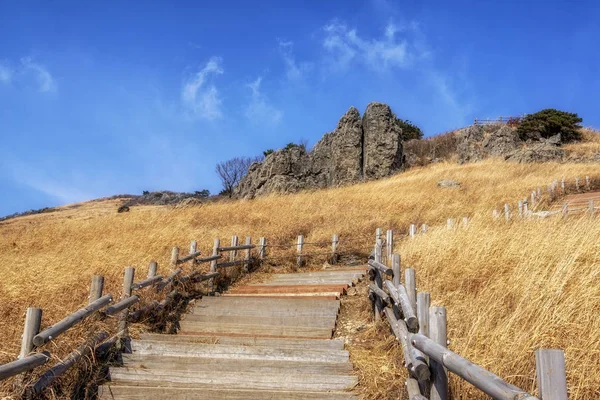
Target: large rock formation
367, 148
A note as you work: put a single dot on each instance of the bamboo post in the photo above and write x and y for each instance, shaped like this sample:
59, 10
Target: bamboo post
591, 207
396, 269
411, 286
437, 333
587, 183
96, 288
33, 320
565, 210
123, 331
520, 205
389, 244
174, 258
335, 239
248, 254
299, 247
262, 249
424, 228
152, 268
551, 374
507, 212
213, 263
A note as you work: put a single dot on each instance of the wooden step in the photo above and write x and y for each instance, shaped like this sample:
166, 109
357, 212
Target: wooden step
261, 289
314, 344
300, 302
124, 392
266, 311
232, 379
311, 281
160, 362
144, 347
256, 330
287, 321
326, 296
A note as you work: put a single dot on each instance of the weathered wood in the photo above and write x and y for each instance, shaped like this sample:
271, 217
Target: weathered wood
565, 210
335, 239
96, 288
60, 368
396, 271
146, 282
121, 305
424, 228
248, 253
202, 278
383, 296
262, 250
189, 257
562, 185
52, 332
152, 269
577, 184
230, 263
234, 246
168, 280
24, 364
438, 334
416, 367
193, 247
587, 183
378, 235
389, 245
377, 252
299, 250
450, 223
533, 200
411, 286
33, 320
525, 207
539, 193
398, 294
423, 303
174, 258
381, 268
551, 374
412, 230
484, 380
495, 214
207, 259
213, 264
412, 388
123, 331
520, 205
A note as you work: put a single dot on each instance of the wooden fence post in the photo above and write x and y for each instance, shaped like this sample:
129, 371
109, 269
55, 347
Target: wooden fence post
591, 207
539, 193
424, 228
389, 245
533, 200
396, 269
551, 374
465, 222
562, 185
410, 281
437, 332
335, 239
96, 288
525, 207
587, 183
520, 205
378, 306
412, 230
423, 303
299, 250
193, 247
378, 234
577, 184
152, 268
33, 320
213, 263
565, 210
233, 253
174, 258
262, 249
248, 254
450, 223
123, 331
507, 212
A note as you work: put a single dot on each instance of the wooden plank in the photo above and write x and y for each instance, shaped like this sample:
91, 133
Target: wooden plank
257, 330
313, 281
266, 311
324, 344
24, 364
215, 365
288, 321
110, 392
381, 268
289, 289
551, 374
233, 379
253, 301
327, 295
237, 352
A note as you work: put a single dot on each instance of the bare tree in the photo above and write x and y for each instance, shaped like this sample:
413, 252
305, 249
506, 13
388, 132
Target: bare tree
232, 171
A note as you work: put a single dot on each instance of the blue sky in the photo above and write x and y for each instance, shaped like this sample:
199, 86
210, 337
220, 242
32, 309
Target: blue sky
101, 98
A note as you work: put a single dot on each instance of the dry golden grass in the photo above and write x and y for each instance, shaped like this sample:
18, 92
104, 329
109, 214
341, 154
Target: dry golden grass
508, 289
588, 147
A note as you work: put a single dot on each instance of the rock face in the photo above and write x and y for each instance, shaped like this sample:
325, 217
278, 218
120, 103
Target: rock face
359, 148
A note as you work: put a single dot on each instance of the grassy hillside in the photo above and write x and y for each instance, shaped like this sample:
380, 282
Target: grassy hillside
509, 289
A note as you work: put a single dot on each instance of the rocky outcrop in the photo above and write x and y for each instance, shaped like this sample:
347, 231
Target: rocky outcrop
541, 152
359, 148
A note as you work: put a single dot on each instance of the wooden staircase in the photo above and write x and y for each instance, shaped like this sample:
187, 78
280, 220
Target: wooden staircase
265, 341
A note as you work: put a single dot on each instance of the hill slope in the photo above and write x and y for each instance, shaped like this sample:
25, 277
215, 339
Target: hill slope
508, 288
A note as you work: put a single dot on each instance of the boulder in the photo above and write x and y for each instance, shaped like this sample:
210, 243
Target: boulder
500, 142
541, 152
469, 145
382, 142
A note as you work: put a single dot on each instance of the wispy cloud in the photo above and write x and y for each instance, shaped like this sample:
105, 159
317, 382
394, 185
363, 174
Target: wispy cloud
41, 74
294, 71
259, 110
200, 97
6, 74
344, 46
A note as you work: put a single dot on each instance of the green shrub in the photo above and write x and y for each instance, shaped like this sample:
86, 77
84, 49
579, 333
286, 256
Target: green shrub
549, 122
267, 152
409, 130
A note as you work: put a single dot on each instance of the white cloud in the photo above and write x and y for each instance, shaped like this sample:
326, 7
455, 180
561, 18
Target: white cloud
6, 74
259, 110
345, 46
42, 75
199, 97
294, 70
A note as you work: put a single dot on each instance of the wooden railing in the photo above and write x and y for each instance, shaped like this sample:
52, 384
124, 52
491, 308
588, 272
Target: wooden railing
422, 333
